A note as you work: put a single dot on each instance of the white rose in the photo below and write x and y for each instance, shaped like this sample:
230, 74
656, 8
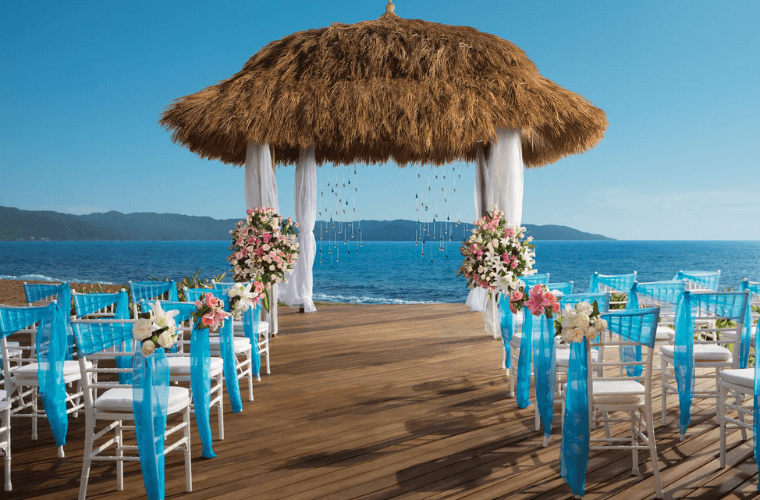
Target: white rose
577, 334
148, 348
600, 325
584, 307
271, 267
142, 329
591, 333
567, 320
166, 340
580, 320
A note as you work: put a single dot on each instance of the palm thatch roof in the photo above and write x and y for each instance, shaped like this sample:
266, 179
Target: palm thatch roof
404, 90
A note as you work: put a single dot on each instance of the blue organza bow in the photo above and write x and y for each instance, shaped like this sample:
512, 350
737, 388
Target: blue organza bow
51, 353
150, 391
544, 364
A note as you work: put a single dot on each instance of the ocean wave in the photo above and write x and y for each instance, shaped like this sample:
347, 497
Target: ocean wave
40, 277
321, 297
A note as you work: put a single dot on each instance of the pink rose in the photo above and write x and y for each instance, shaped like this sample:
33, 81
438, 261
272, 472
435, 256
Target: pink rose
207, 319
212, 301
198, 304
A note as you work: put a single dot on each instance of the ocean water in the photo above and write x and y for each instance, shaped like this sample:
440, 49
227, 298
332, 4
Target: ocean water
378, 272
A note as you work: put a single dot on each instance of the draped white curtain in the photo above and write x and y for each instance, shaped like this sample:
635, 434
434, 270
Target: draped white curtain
298, 290
499, 181
477, 297
261, 191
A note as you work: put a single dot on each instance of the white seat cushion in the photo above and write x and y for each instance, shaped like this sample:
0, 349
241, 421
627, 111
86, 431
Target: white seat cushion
180, 365
702, 352
2, 395
241, 344
665, 333
263, 326
744, 377
618, 392
563, 357
27, 374
120, 400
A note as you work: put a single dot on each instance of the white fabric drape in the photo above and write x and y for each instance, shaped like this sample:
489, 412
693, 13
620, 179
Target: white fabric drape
499, 181
505, 169
298, 290
261, 191
260, 181
477, 297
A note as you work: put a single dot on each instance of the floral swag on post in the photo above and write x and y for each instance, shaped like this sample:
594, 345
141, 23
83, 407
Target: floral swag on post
538, 301
243, 298
157, 330
209, 313
496, 255
263, 248
582, 322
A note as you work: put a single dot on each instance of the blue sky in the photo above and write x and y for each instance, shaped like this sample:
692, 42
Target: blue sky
82, 85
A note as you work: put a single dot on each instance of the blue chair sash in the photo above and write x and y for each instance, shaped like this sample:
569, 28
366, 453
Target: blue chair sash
756, 403
575, 445
200, 381
36, 292
544, 364
620, 282
752, 288
150, 391
251, 330
732, 306
153, 289
88, 303
565, 288
507, 322
637, 326
51, 354
227, 347
707, 279
535, 279
522, 391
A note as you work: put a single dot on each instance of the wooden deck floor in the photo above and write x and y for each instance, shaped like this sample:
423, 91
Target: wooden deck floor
378, 402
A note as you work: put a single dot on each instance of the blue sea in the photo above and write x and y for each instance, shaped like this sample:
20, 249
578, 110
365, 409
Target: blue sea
377, 272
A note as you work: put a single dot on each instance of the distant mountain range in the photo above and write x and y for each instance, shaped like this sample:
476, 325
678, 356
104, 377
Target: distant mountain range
17, 225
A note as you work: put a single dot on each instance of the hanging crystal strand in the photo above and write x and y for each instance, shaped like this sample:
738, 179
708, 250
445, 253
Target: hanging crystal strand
361, 243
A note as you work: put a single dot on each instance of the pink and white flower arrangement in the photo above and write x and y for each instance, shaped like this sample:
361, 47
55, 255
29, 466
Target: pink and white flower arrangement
539, 300
582, 321
209, 312
263, 247
158, 330
496, 255
243, 296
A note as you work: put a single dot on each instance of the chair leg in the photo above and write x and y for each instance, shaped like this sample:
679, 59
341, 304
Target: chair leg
268, 372
34, 411
653, 451
188, 465
7, 460
86, 461
503, 358
722, 424
536, 417
249, 358
119, 454
221, 406
664, 392
634, 444
607, 433
741, 416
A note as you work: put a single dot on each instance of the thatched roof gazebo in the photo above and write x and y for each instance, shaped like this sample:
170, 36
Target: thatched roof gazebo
392, 89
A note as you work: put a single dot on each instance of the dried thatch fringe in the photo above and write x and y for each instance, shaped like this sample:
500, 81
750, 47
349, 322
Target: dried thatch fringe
395, 89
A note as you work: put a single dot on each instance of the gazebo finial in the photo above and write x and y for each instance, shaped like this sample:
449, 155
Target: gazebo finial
390, 7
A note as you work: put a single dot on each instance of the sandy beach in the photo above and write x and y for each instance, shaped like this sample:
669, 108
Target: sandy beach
12, 291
